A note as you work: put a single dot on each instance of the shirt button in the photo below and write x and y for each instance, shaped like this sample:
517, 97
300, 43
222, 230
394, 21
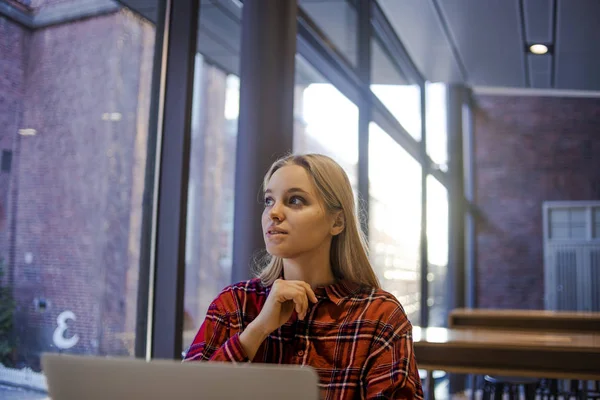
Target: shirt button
300, 353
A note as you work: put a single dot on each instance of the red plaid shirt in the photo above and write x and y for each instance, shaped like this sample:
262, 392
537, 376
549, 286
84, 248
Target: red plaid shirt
359, 340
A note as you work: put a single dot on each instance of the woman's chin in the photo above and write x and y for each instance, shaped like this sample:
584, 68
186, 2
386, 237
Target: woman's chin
277, 251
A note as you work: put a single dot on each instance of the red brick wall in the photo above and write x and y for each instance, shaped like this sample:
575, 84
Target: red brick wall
79, 180
527, 150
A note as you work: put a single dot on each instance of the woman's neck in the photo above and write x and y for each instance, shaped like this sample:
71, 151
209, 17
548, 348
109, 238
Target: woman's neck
313, 269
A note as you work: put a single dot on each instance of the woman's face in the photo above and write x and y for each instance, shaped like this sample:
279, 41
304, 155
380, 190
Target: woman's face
295, 222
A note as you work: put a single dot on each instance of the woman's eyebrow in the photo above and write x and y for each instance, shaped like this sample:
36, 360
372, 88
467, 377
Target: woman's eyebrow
295, 190
290, 190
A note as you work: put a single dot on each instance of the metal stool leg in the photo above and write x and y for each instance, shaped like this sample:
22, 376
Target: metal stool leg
530, 391
430, 386
498, 391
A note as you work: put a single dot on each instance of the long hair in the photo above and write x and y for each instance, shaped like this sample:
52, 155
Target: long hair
349, 255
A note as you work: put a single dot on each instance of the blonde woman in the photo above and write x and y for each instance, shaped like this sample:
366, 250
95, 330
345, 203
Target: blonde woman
317, 302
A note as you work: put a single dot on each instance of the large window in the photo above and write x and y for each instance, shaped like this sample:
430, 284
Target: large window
339, 22
437, 250
215, 109
401, 97
74, 151
325, 121
395, 219
437, 136
75, 206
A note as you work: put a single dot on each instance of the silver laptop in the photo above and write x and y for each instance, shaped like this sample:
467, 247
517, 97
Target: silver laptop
96, 378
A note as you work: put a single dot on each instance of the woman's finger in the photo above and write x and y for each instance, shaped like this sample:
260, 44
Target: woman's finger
310, 293
302, 303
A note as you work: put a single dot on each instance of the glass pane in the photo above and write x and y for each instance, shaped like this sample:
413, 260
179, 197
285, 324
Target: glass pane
325, 121
578, 232
395, 219
219, 34
568, 223
215, 109
596, 214
559, 216
78, 100
339, 23
437, 249
578, 223
559, 232
578, 215
437, 134
400, 97
559, 223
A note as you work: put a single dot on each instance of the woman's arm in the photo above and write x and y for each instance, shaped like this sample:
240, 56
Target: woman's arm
218, 338
391, 371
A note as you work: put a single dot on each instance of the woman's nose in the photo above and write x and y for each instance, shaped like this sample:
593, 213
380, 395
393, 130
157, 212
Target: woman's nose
276, 213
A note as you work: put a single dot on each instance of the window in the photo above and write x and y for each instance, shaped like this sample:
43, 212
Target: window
325, 121
395, 219
215, 109
437, 136
339, 22
71, 230
401, 97
596, 214
571, 255
6, 161
568, 223
437, 250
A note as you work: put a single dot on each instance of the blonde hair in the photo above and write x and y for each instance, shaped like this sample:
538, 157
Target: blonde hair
349, 255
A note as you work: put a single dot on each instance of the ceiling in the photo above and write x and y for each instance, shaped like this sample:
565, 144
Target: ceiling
477, 42
482, 43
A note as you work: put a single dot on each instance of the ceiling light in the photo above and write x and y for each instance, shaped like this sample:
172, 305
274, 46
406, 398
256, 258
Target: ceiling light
538, 48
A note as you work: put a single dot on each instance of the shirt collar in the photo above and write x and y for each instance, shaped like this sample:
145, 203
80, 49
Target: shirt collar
338, 291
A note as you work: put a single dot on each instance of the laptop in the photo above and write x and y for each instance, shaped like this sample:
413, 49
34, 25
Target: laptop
73, 377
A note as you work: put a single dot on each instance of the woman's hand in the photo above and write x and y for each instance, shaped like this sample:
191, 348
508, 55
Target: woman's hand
284, 298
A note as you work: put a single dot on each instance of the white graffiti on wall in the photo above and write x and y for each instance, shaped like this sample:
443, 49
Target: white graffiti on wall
59, 338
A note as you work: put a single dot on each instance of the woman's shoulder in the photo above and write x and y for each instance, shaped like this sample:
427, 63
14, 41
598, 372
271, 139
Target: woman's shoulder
384, 305
236, 294
251, 285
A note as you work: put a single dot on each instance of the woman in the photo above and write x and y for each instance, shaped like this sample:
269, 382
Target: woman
317, 302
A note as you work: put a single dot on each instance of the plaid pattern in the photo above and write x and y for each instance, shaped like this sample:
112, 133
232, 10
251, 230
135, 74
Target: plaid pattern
359, 340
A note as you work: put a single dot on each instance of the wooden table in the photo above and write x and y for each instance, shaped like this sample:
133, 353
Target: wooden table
558, 355
539, 320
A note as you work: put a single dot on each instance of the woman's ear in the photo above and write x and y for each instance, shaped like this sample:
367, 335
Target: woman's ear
339, 223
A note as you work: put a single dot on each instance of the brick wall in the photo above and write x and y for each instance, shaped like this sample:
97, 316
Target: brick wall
527, 150
78, 182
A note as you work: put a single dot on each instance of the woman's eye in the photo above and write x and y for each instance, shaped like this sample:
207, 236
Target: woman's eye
295, 200
268, 202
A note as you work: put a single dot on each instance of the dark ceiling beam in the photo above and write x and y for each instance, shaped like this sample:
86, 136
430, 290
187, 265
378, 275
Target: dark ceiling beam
392, 43
451, 42
523, 34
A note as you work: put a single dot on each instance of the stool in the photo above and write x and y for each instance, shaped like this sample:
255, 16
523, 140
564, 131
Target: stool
496, 386
549, 389
429, 387
589, 390
593, 392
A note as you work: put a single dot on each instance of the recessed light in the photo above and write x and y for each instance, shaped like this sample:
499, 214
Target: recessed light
538, 49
